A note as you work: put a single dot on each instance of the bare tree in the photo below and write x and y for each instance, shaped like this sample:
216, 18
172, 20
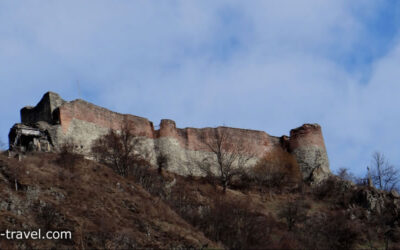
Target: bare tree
117, 149
68, 157
384, 175
228, 157
276, 169
345, 174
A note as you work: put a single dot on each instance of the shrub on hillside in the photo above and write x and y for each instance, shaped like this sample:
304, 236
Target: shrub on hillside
236, 226
243, 182
277, 168
294, 212
162, 162
116, 149
14, 173
148, 178
45, 215
337, 190
67, 157
330, 231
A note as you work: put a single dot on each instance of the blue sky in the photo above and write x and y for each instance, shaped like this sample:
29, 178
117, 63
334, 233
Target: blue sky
266, 65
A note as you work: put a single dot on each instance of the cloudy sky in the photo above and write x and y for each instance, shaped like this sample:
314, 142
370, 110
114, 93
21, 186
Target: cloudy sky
265, 65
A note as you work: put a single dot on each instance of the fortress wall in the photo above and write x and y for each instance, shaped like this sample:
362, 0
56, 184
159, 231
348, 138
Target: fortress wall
84, 111
72, 114
185, 148
185, 161
81, 123
255, 142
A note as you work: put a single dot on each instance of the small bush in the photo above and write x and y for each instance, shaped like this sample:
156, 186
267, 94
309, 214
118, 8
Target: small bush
67, 157
277, 169
45, 215
294, 212
326, 189
233, 224
117, 149
14, 174
330, 231
149, 179
162, 162
337, 190
243, 182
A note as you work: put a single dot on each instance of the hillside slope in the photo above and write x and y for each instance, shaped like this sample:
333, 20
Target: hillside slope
102, 209
153, 209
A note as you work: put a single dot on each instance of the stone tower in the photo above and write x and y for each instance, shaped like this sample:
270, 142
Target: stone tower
306, 143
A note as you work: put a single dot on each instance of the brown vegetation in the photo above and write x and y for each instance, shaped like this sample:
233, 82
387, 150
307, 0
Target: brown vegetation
276, 170
158, 209
293, 212
116, 149
67, 157
102, 209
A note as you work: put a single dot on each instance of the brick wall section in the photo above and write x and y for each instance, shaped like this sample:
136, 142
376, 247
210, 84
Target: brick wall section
256, 142
84, 111
306, 135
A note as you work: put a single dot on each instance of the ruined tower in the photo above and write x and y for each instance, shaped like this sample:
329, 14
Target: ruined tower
306, 143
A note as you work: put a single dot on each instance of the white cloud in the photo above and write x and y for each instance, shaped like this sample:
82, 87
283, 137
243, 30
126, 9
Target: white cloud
256, 64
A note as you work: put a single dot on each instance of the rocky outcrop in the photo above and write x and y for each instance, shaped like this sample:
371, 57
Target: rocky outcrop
376, 201
56, 121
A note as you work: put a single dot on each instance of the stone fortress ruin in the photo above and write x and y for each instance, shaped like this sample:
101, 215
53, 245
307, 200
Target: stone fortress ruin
54, 122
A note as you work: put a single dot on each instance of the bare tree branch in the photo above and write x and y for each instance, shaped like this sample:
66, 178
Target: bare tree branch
384, 175
228, 157
117, 149
345, 174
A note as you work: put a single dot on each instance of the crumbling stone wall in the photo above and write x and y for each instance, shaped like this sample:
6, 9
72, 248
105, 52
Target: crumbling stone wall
81, 122
43, 111
307, 144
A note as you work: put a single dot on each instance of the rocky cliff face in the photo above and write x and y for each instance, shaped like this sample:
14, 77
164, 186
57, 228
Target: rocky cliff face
54, 121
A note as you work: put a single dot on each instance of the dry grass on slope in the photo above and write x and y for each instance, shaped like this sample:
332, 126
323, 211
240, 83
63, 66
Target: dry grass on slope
102, 209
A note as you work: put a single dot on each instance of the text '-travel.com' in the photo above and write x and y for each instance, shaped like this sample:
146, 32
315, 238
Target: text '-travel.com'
35, 235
